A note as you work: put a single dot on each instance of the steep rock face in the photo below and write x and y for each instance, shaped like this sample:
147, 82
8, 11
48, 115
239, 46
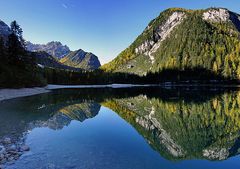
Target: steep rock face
55, 49
216, 153
180, 39
222, 15
81, 59
150, 46
4, 30
217, 15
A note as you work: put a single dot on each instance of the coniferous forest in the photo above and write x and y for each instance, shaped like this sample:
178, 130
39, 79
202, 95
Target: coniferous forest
196, 51
118, 85
19, 69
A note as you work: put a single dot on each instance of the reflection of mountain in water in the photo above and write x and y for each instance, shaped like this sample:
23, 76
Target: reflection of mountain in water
43, 111
179, 124
181, 129
81, 112
65, 115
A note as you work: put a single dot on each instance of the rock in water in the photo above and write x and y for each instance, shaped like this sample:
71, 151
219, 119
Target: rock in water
7, 141
2, 149
25, 148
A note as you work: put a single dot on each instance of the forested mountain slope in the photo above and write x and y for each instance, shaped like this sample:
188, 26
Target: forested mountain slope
180, 39
81, 59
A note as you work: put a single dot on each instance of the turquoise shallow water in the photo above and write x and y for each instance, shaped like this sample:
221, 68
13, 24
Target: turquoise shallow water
155, 129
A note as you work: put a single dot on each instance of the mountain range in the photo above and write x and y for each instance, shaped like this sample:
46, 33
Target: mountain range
52, 48
81, 59
76, 59
179, 39
56, 55
4, 30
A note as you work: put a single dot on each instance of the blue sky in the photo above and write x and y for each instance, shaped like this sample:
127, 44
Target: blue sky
104, 27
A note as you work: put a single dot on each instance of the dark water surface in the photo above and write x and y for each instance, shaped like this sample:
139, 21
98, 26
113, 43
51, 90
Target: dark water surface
137, 128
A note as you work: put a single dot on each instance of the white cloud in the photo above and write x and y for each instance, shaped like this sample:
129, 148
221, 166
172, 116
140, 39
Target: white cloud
64, 6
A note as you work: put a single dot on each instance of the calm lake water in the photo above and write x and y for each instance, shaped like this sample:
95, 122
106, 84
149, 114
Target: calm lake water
137, 128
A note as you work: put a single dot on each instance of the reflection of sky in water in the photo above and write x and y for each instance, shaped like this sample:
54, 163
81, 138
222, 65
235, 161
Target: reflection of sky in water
105, 141
102, 138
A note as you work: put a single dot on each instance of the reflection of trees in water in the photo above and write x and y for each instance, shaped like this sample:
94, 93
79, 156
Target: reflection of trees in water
181, 129
26, 114
22, 115
65, 115
178, 123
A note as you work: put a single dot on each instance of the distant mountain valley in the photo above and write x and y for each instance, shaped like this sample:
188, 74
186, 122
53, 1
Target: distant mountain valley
56, 55
76, 59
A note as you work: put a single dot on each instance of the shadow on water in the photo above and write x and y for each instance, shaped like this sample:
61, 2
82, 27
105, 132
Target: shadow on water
180, 123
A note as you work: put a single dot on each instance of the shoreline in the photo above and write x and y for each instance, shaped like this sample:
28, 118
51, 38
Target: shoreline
114, 86
7, 94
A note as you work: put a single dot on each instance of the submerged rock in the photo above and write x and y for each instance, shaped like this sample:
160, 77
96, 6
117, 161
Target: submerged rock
25, 148
13, 148
1, 158
2, 149
7, 141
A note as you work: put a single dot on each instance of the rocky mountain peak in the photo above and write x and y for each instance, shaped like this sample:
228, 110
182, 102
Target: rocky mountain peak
160, 34
222, 15
56, 55
81, 59
4, 29
78, 59
53, 48
217, 15
180, 38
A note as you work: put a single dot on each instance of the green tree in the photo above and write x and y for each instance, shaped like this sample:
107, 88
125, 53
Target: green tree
16, 43
18, 32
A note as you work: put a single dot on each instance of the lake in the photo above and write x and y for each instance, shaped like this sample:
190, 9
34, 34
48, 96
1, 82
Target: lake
134, 128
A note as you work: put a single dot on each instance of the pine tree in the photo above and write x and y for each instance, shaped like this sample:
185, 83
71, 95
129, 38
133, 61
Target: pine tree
18, 32
16, 43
